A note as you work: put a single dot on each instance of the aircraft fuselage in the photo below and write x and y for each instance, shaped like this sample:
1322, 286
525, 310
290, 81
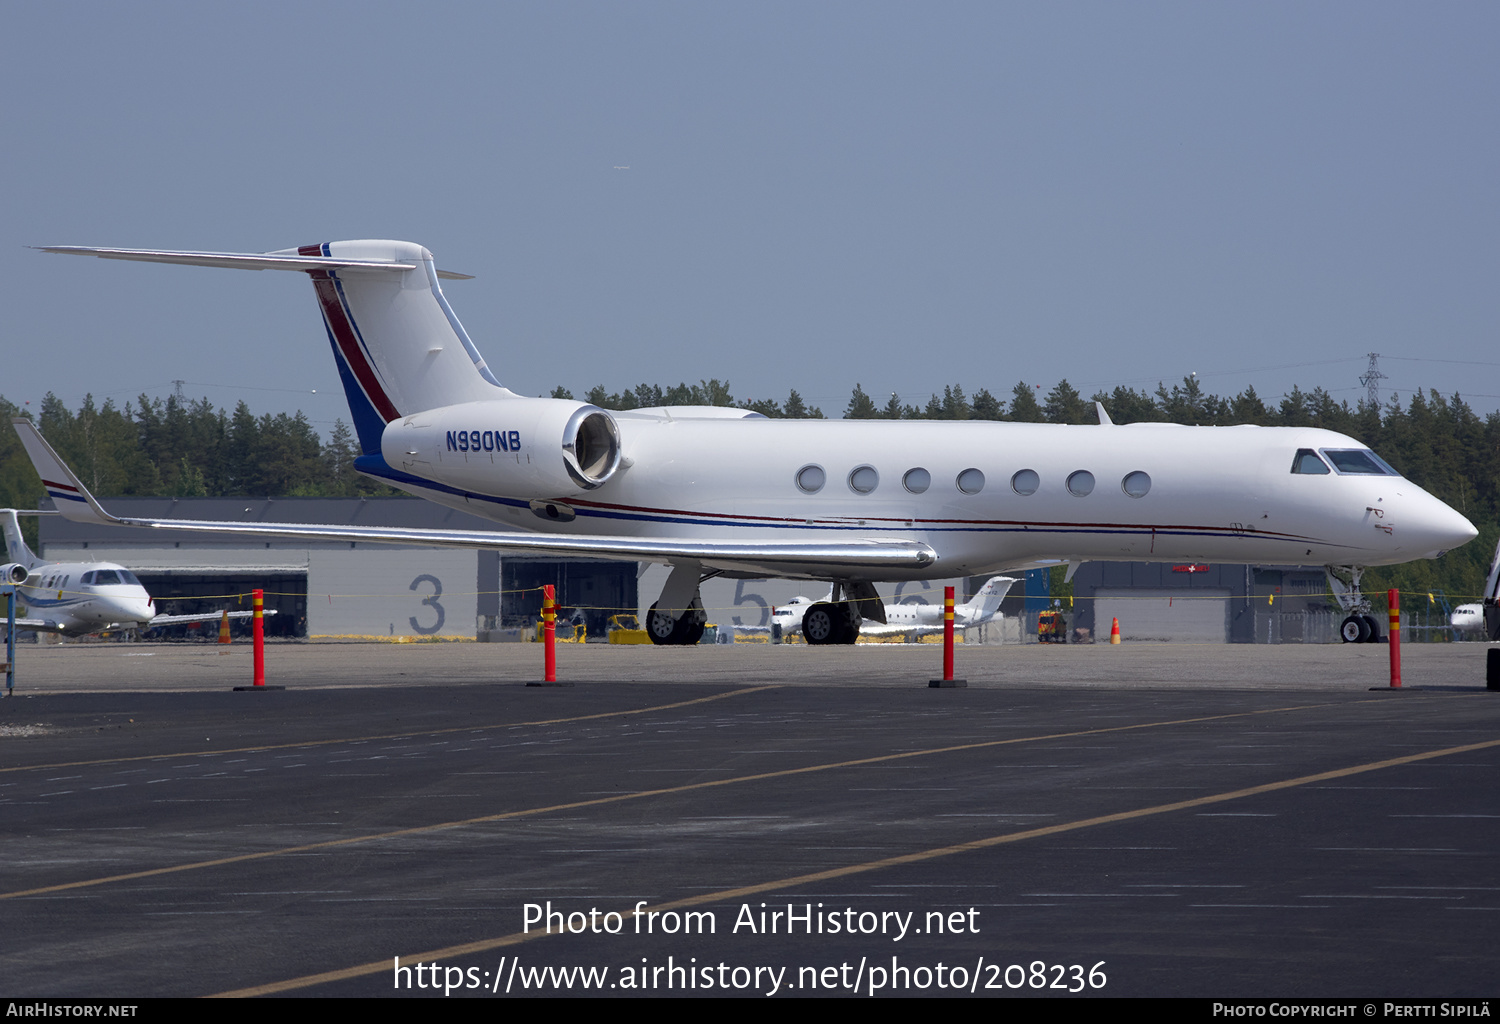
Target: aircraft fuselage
996, 496
66, 595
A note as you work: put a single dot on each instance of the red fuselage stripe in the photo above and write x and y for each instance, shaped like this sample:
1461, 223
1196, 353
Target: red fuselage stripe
342, 330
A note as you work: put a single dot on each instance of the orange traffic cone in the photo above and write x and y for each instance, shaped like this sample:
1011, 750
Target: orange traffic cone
224, 628
1114, 631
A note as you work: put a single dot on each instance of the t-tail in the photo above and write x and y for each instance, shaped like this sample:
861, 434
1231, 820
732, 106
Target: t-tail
16, 551
983, 605
397, 344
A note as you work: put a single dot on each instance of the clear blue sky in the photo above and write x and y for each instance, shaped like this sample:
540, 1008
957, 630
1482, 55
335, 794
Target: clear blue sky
812, 194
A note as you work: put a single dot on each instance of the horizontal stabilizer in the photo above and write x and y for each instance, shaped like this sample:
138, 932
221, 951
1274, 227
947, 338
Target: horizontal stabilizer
239, 260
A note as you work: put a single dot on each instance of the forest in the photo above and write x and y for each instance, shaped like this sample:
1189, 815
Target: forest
190, 448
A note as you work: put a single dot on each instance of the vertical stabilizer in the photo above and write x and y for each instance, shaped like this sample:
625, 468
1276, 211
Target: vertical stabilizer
15, 545
983, 605
397, 344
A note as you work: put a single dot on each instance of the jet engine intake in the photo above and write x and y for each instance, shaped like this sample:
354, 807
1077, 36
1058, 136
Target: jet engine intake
513, 447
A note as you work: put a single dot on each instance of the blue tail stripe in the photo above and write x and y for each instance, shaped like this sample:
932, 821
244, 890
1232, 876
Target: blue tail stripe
367, 422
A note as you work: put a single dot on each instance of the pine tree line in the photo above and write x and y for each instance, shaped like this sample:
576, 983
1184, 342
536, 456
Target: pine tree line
184, 449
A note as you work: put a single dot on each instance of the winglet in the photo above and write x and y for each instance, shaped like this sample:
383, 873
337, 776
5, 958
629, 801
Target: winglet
67, 492
1104, 420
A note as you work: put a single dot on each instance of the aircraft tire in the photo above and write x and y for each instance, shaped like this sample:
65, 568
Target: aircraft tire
1374, 627
820, 624
665, 633
1355, 630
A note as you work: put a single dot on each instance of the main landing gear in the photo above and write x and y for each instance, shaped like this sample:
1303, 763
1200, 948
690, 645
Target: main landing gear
837, 621
673, 627
1359, 627
830, 623
686, 630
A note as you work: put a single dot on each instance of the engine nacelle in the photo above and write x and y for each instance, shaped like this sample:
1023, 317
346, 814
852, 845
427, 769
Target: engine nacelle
13, 573
511, 447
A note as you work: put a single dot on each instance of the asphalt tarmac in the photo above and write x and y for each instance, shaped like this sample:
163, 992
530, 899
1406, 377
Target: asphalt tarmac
1147, 820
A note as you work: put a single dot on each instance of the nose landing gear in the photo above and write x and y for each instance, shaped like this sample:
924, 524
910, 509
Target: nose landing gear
1360, 627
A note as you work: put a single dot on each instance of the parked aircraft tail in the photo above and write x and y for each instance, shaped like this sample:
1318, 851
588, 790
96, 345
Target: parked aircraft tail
15, 546
398, 346
983, 605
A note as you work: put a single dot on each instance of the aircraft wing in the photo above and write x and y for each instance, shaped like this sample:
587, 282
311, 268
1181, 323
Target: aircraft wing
177, 620
39, 625
816, 559
52, 626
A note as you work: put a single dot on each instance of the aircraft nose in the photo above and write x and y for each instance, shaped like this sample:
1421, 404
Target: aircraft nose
1439, 528
133, 610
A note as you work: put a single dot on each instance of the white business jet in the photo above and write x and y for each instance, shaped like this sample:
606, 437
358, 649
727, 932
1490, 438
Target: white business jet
78, 598
819, 624
724, 492
1468, 618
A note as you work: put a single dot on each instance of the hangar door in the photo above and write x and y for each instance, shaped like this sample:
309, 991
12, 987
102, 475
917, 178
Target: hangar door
1197, 615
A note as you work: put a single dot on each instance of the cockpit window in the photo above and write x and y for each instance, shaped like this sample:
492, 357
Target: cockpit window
1308, 463
106, 577
1358, 462
126, 576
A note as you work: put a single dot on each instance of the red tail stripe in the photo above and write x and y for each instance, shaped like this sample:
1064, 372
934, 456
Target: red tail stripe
337, 319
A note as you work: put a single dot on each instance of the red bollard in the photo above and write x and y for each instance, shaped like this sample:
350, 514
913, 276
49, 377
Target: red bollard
258, 598
549, 638
258, 682
947, 632
549, 633
1394, 599
947, 680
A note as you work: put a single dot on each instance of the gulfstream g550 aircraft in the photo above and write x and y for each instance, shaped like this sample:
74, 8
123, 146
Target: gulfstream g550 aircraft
714, 491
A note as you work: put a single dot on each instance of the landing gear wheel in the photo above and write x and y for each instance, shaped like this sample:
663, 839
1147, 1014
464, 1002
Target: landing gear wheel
1355, 629
665, 631
828, 623
1374, 627
822, 624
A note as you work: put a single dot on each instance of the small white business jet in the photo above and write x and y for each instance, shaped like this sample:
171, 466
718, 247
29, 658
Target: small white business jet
1468, 618
78, 598
725, 492
819, 623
